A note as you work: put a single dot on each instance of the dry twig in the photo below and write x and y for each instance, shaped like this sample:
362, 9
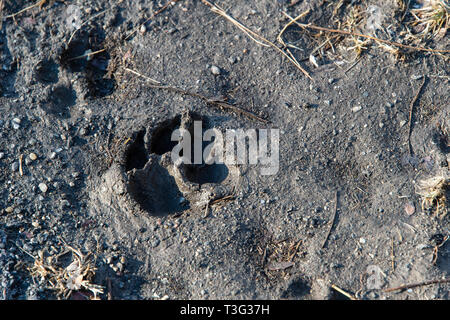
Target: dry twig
217, 103
410, 286
348, 33
254, 36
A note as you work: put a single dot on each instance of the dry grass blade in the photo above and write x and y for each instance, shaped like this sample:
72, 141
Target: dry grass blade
433, 192
76, 276
90, 19
254, 36
414, 285
349, 33
217, 103
433, 17
39, 4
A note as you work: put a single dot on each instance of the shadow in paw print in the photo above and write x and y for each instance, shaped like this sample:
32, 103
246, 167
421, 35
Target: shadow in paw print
155, 190
59, 102
297, 289
46, 71
204, 173
99, 85
136, 155
79, 56
70, 56
161, 136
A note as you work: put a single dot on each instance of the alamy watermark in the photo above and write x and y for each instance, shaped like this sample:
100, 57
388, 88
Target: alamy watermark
229, 148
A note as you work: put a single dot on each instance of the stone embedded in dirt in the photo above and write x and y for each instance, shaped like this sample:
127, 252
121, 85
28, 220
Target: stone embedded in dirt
215, 70
409, 208
43, 187
33, 156
356, 109
15, 166
16, 123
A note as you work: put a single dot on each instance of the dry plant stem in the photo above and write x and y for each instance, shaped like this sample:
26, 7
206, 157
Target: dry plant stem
20, 165
348, 295
91, 18
216, 103
405, 46
86, 55
332, 220
254, 36
40, 3
425, 283
279, 38
143, 76
411, 109
1, 13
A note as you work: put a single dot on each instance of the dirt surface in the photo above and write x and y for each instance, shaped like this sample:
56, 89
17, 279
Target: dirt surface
102, 180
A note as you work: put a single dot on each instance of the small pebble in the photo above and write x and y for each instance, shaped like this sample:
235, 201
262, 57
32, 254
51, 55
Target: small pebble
232, 60
33, 156
143, 29
2, 154
362, 240
356, 109
15, 166
9, 210
43, 187
215, 70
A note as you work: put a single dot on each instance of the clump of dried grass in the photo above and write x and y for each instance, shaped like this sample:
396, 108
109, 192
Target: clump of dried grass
75, 277
433, 192
432, 18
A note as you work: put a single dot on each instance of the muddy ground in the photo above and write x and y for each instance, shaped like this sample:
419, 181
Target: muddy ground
102, 181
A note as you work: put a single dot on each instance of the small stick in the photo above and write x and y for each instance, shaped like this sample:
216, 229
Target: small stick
348, 295
405, 46
40, 3
141, 75
279, 38
228, 197
425, 283
1, 13
254, 36
332, 220
20, 165
351, 67
91, 18
411, 108
86, 54
217, 103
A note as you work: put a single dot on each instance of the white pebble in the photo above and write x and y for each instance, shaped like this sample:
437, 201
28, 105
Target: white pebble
215, 70
43, 187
